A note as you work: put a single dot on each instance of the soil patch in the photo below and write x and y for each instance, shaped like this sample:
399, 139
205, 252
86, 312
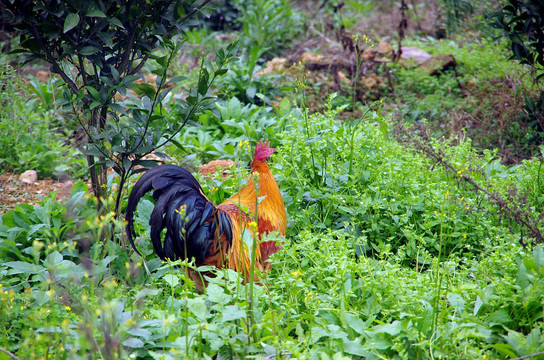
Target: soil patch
13, 191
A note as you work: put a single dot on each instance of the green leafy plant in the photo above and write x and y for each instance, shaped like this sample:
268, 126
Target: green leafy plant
32, 139
522, 22
267, 25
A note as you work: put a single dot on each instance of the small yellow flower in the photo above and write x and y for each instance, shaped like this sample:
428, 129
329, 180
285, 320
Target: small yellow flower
252, 226
296, 273
67, 308
97, 312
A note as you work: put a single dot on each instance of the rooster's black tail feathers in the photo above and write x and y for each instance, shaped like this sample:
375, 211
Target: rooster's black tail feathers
190, 219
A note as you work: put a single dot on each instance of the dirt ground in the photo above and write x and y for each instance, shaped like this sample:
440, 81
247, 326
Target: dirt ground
13, 191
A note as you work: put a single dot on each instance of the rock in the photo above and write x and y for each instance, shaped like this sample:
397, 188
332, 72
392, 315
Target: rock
369, 54
274, 66
383, 47
313, 58
414, 54
29, 177
439, 63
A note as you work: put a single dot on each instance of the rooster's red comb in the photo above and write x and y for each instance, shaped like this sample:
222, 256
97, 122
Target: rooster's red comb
263, 150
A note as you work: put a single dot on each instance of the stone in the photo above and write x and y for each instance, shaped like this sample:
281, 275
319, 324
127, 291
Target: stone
439, 63
274, 66
369, 54
29, 177
383, 47
414, 54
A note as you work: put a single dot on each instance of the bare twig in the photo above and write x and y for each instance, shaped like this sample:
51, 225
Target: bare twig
13, 356
529, 356
421, 141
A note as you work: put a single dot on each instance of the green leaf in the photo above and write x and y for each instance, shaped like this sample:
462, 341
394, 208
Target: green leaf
216, 294
198, 307
106, 38
285, 106
203, 82
141, 333
146, 89
312, 140
355, 348
34, 228
171, 280
71, 22
506, 350
162, 61
176, 79
180, 11
94, 93
91, 150
392, 329
500, 316
95, 13
53, 260
115, 21
88, 50
21, 267
251, 91
233, 312
133, 343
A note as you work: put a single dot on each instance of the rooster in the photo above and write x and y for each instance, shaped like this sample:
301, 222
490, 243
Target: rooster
212, 235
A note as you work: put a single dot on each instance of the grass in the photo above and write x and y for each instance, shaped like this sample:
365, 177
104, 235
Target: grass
389, 252
34, 137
